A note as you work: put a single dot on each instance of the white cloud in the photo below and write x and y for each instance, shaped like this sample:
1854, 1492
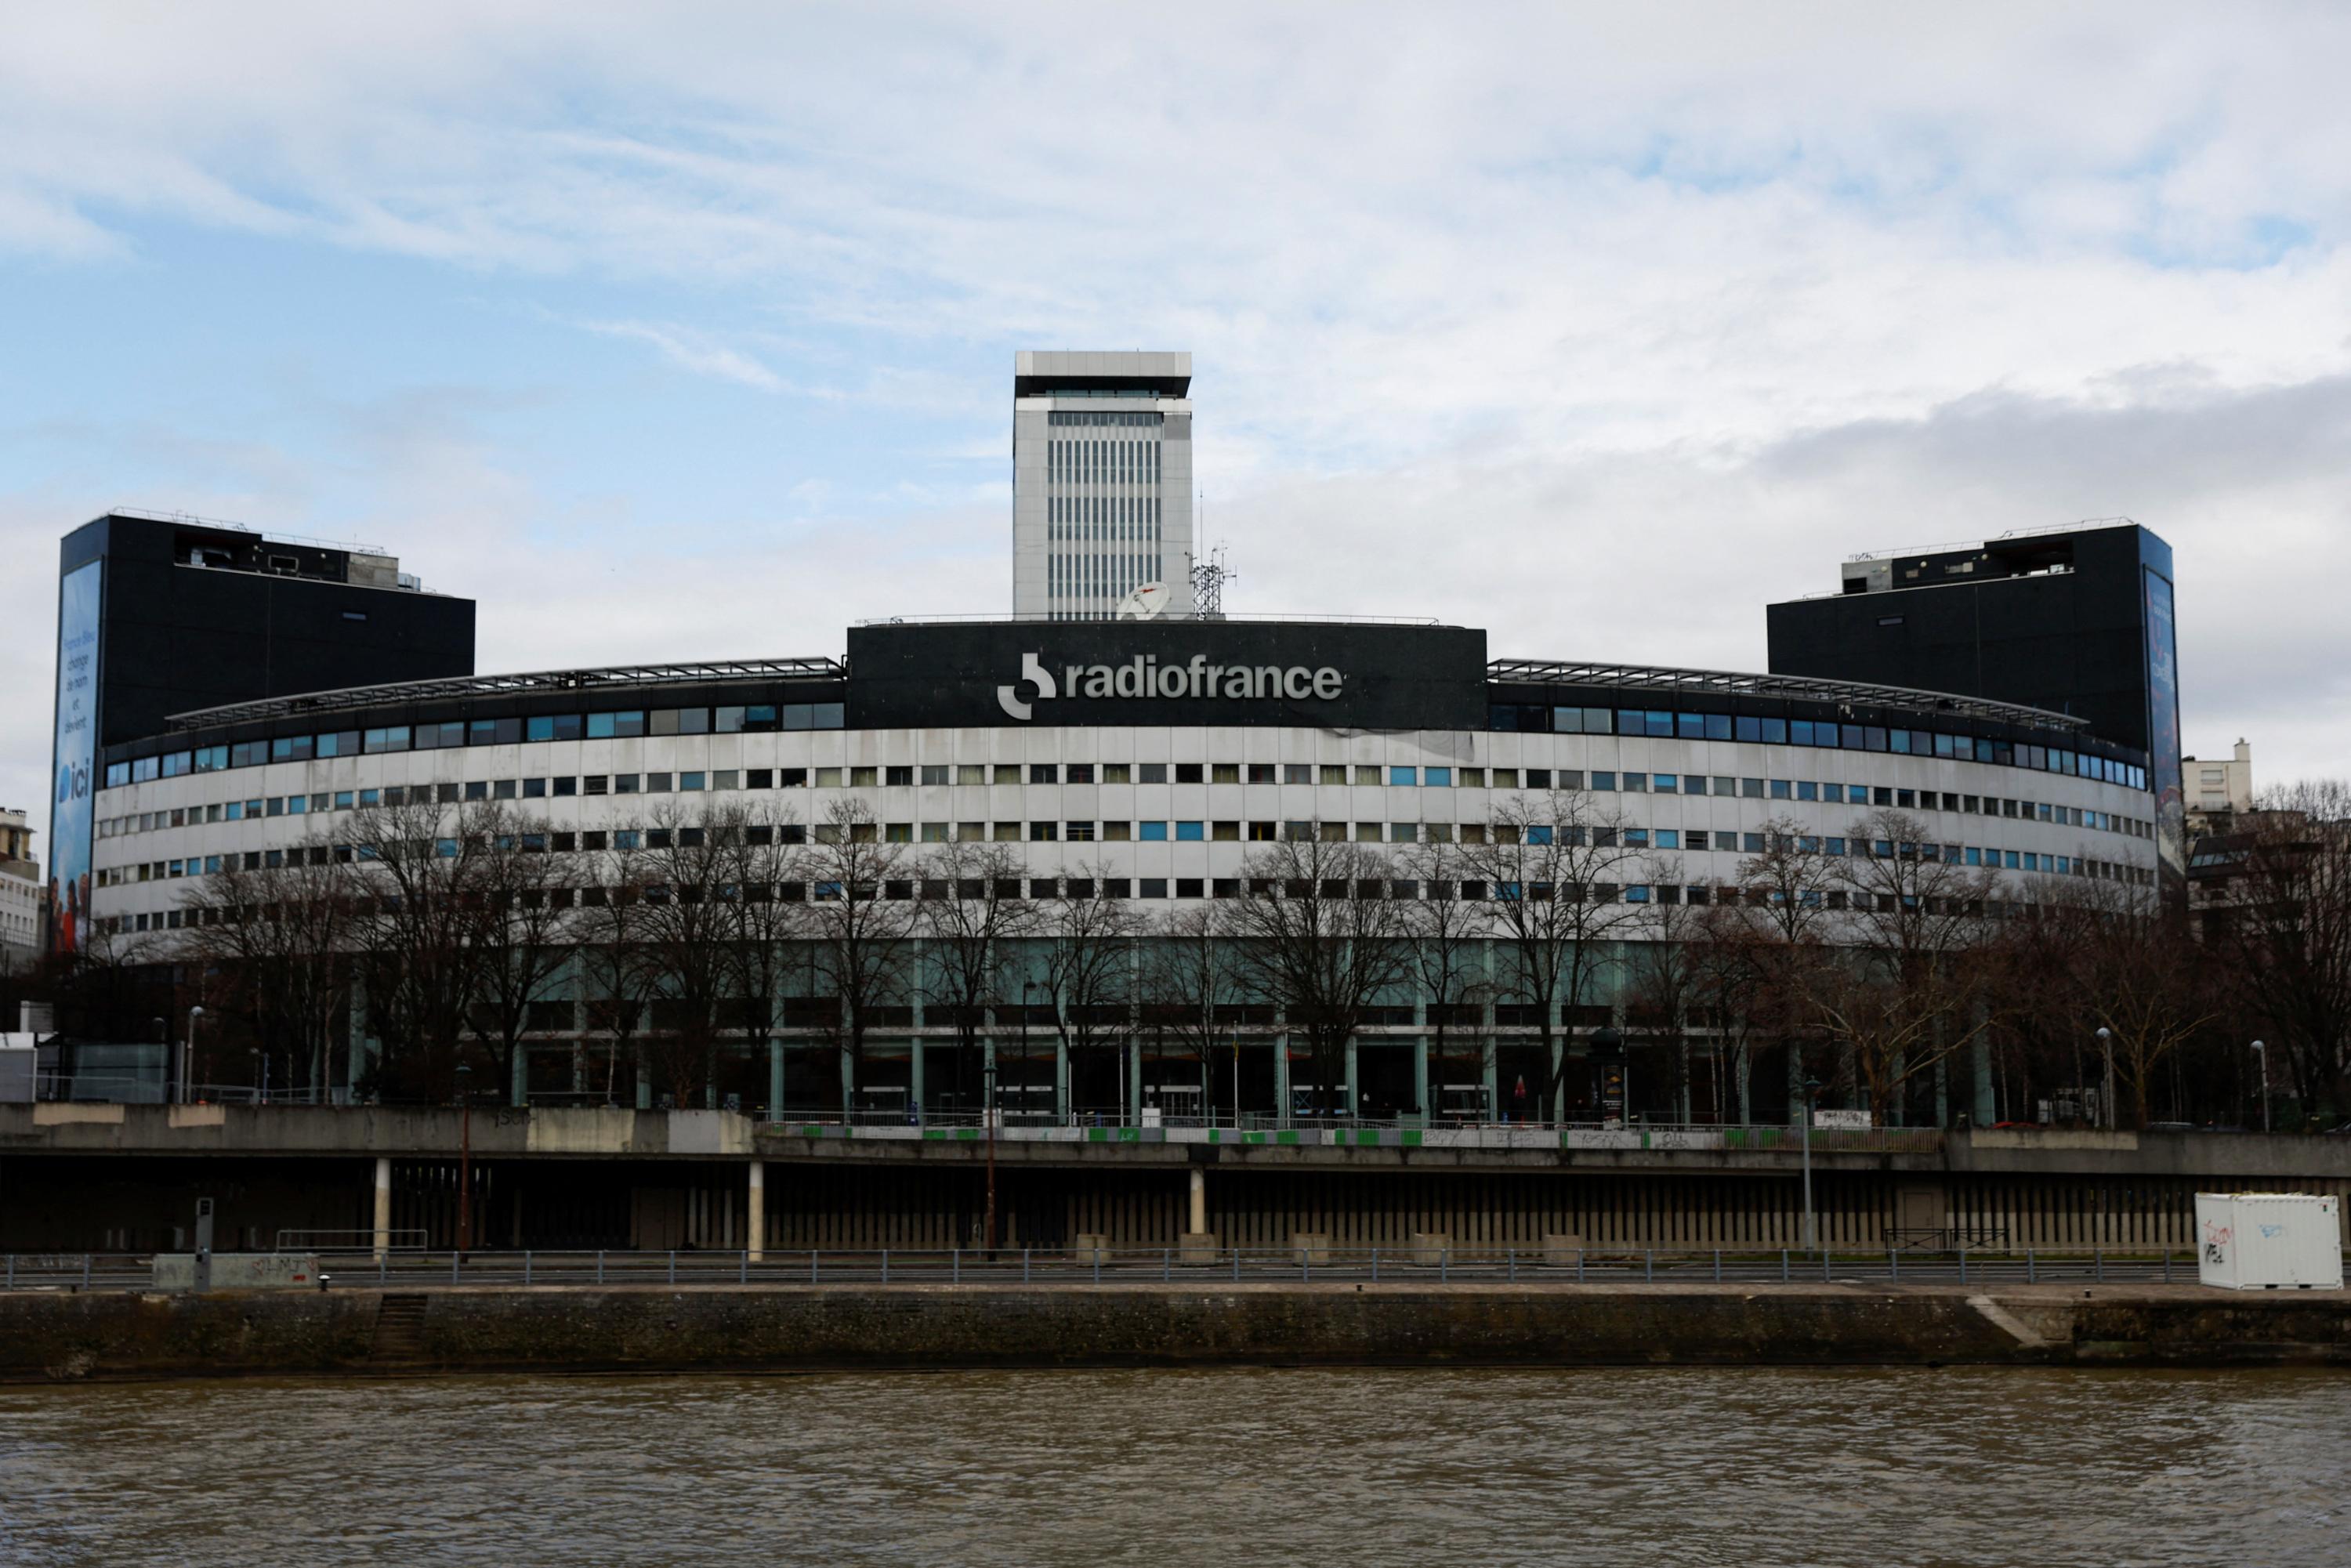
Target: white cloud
690, 352
1596, 325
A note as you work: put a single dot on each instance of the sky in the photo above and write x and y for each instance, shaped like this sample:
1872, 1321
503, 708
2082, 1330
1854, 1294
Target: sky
686, 331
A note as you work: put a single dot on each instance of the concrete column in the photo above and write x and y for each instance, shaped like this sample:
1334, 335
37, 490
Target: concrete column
383, 1205
1557, 1109
1354, 1098
1420, 1086
1199, 1200
756, 1216
775, 1080
1061, 1078
1493, 1072
1134, 1079
519, 1089
847, 1083
914, 1053
1987, 1108
1282, 1079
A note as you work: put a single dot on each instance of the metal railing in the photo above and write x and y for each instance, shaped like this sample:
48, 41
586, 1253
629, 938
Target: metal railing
1421, 1264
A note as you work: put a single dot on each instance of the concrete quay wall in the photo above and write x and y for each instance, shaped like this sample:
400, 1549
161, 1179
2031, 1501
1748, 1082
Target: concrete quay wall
60, 1336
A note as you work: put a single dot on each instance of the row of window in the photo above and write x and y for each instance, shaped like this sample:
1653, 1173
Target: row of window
766, 718
1823, 733
1103, 462
1007, 773
1154, 888
1071, 419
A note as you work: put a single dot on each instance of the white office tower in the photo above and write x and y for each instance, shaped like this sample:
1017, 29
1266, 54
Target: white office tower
1101, 482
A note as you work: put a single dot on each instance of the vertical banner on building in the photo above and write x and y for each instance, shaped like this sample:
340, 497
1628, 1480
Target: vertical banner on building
2163, 733
76, 758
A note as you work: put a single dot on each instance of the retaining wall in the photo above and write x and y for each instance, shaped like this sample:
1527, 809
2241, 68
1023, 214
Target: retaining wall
59, 1336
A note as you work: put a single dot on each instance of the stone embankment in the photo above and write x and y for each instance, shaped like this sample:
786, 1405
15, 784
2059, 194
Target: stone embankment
63, 1335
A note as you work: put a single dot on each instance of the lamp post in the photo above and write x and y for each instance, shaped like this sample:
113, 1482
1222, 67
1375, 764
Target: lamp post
988, 1115
464, 1158
2106, 1046
188, 1051
1608, 1049
1812, 1088
2261, 1054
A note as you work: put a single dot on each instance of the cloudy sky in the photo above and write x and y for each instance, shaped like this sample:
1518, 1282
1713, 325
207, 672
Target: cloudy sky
687, 329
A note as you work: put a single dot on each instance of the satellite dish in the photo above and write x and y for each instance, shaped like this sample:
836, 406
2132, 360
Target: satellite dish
1143, 604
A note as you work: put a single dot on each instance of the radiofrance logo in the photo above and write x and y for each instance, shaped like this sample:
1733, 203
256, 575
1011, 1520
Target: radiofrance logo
1145, 676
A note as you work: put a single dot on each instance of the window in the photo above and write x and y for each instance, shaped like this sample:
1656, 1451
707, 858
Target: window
1437, 778
1260, 773
1153, 887
1191, 832
935, 772
503, 789
1117, 832
1081, 773
1224, 773
1116, 773
1304, 773
1635, 783
1752, 788
1189, 773
1782, 790
1604, 779
1807, 791
1043, 833
477, 790
1153, 831
1506, 777
594, 784
1752, 843
1078, 832
1668, 839
898, 777
898, 834
863, 778
534, 788
1044, 773
1260, 833
1151, 773
656, 783
1538, 777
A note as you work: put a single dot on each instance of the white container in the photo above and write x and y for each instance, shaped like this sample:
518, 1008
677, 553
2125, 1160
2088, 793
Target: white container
2268, 1242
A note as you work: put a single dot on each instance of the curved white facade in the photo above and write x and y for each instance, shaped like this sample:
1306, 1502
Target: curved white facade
1154, 825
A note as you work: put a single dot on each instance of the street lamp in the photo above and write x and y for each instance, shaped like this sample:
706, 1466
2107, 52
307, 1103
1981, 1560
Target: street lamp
1811, 1088
2106, 1045
465, 1157
188, 1051
2261, 1054
988, 1115
1608, 1049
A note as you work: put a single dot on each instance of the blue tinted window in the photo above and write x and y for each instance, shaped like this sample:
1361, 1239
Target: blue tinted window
1690, 725
1749, 728
826, 715
1632, 721
1567, 720
1603, 779
1151, 831
1668, 839
1437, 778
1189, 832
1775, 732
1403, 775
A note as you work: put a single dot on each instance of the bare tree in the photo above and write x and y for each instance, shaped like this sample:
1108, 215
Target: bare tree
1088, 966
859, 937
272, 944
1663, 974
1447, 937
416, 924
1316, 933
766, 865
1903, 997
2138, 974
687, 925
615, 953
1191, 981
1554, 865
2283, 920
524, 935
972, 914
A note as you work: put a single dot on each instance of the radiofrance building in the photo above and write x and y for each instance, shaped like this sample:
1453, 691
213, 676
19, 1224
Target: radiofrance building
1140, 762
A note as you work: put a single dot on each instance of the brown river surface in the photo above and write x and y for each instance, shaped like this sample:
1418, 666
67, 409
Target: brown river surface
1670, 1467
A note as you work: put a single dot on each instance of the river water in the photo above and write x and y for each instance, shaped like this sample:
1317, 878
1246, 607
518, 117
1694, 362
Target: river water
1675, 1466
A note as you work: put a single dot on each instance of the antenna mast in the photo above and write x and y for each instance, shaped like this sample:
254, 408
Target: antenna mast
1209, 579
